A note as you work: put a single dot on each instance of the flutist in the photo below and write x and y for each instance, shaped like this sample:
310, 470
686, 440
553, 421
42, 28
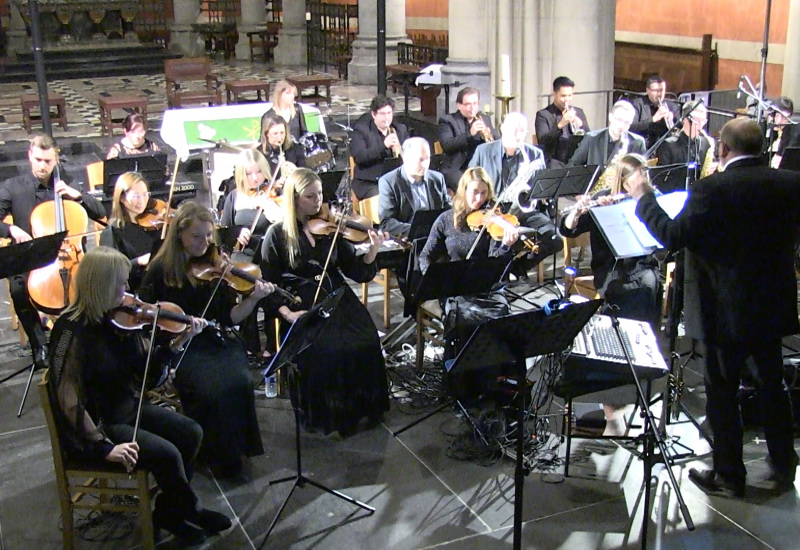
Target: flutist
376, 138
461, 132
557, 123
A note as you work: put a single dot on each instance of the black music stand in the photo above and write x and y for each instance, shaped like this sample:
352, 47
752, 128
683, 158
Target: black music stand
152, 168
300, 337
16, 259
511, 340
447, 279
562, 182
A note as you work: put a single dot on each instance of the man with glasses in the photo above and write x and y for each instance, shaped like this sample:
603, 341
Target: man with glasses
691, 150
654, 114
18, 197
376, 137
602, 146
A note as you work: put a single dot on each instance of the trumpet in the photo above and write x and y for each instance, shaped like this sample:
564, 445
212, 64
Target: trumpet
395, 149
591, 204
486, 132
574, 129
668, 118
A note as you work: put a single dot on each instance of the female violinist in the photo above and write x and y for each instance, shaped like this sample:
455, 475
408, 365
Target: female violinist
284, 106
135, 224
93, 370
134, 142
278, 145
342, 376
212, 379
634, 284
452, 238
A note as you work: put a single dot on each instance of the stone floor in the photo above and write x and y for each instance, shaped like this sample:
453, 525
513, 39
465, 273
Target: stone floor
424, 492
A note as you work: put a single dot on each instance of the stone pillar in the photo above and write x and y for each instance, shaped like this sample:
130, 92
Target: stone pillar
467, 58
254, 16
18, 39
363, 69
183, 39
790, 86
292, 48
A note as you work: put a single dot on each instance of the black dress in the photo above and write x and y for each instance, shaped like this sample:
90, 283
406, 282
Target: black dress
297, 125
132, 240
342, 375
213, 379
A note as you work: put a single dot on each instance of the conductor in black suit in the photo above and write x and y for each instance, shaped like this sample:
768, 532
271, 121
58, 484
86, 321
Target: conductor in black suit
411, 187
740, 296
654, 114
557, 123
460, 134
376, 137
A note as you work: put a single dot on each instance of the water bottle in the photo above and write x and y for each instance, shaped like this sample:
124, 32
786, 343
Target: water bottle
271, 386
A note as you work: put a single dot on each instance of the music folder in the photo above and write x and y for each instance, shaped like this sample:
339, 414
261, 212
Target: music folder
625, 234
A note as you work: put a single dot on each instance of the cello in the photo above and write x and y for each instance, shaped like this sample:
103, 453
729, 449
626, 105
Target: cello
51, 288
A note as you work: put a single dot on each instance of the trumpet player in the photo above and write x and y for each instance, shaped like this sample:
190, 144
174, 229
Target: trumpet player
558, 122
692, 148
654, 114
461, 132
376, 137
788, 134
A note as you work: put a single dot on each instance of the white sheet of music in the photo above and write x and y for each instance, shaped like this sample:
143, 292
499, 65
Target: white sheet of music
627, 236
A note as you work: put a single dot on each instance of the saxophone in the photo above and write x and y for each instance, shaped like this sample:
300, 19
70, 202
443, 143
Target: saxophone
518, 191
709, 164
610, 171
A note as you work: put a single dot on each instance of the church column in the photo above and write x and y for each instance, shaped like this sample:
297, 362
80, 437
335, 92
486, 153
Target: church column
363, 69
17, 36
254, 15
467, 57
183, 38
790, 86
292, 48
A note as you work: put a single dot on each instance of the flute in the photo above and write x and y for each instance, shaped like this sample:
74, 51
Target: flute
598, 202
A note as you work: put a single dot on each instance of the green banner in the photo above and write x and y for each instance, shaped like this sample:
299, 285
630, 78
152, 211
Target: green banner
234, 130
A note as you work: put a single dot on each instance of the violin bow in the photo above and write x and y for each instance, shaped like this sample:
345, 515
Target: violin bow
481, 232
259, 210
328, 259
169, 199
143, 390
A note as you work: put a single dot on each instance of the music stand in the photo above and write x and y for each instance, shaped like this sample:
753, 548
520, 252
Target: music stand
390, 164
151, 167
791, 159
17, 259
330, 183
511, 340
301, 336
558, 182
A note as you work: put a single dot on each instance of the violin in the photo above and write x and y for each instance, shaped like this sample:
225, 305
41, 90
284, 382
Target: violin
154, 216
495, 223
241, 277
354, 227
134, 314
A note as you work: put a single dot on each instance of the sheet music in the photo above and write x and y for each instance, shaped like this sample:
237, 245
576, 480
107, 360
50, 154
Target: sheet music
627, 236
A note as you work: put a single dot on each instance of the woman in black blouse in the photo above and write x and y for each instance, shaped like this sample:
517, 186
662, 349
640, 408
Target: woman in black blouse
285, 106
277, 144
134, 142
342, 375
213, 379
93, 371
124, 232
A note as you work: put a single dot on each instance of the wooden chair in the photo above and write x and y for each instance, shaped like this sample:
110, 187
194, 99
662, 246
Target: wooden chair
9, 219
76, 481
94, 177
369, 208
179, 72
582, 285
437, 148
429, 328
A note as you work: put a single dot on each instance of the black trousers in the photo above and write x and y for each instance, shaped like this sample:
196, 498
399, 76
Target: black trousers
724, 368
27, 314
168, 445
364, 189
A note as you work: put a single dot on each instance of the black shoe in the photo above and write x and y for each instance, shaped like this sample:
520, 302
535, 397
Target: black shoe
40, 358
211, 521
187, 534
783, 478
714, 484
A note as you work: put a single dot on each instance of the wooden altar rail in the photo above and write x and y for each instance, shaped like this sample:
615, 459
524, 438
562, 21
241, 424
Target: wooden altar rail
684, 69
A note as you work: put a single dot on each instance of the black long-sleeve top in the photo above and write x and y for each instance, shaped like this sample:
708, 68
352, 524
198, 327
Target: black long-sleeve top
21, 194
447, 241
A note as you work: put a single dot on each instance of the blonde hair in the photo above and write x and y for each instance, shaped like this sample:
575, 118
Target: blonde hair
119, 214
460, 198
99, 272
268, 120
627, 166
243, 162
173, 256
296, 184
277, 92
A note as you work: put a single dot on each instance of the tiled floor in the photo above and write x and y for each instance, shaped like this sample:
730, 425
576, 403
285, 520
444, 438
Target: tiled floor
424, 496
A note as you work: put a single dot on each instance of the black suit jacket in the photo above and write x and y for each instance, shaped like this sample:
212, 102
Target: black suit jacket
740, 283
593, 149
548, 133
457, 143
396, 202
643, 121
367, 147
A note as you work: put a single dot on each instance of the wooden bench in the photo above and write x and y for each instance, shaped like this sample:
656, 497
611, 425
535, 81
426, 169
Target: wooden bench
119, 102
178, 73
302, 82
31, 101
235, 88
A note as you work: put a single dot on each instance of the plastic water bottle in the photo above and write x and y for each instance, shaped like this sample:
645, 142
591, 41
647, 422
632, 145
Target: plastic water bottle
271, 386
